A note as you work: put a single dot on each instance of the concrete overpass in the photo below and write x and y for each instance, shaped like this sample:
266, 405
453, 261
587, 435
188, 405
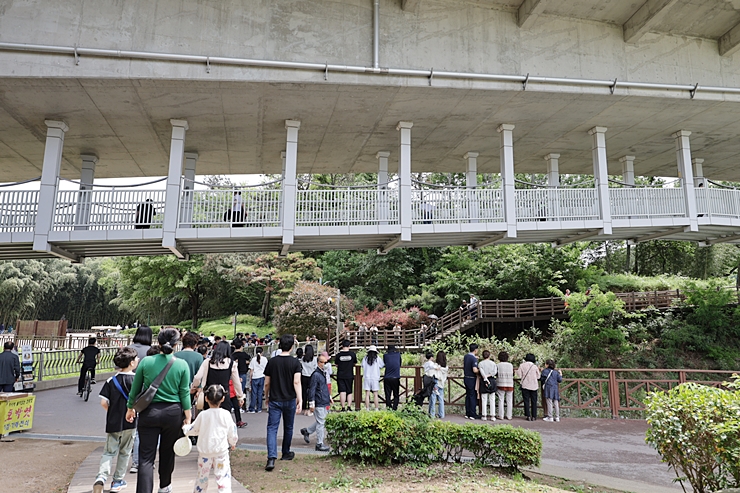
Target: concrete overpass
141, 89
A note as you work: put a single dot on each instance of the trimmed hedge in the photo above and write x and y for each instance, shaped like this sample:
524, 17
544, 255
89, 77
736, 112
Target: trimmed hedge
409, 435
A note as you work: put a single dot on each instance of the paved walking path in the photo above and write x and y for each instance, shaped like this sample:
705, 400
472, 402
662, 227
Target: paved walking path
610, 453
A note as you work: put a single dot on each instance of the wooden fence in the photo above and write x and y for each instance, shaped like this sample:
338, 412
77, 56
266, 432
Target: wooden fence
595, 392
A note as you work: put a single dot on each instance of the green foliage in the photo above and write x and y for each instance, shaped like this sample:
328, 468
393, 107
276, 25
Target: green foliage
595, 332
627, 283
696, 430
310, 310
408, 435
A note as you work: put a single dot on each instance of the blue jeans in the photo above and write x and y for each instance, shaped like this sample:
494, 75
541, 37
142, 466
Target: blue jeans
437, 399
276, 410
258, 387
243, 380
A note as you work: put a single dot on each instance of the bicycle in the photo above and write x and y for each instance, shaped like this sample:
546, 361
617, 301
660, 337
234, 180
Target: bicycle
88, 385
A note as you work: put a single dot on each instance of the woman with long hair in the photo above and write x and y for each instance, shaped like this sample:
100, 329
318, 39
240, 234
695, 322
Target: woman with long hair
163, 419
257, 375
142, 341
218, 370
371, 366
437, 399
308, 366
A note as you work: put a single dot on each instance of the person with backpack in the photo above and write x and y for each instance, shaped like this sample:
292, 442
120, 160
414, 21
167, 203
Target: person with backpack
487, 370
119, 440
551, 379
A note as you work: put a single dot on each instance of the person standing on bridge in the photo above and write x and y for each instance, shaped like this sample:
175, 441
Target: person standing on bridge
470, 366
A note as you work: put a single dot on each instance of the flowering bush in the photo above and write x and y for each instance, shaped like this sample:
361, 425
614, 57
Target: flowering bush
310, 310
387, 318
696, 430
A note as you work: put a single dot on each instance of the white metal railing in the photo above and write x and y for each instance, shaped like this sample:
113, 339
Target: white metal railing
111, 209
230, 207
346, 207
647, 202
18, 210
456, 205
556, 204
720, 202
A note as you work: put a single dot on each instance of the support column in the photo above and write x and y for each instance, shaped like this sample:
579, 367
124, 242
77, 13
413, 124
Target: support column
290, 184
601, 176
471, 182
686, 174
172, 194
186, 212
87, 177
282, 189
699, 180
404, 178
628, 169
506, 153
55, 131
553, 170
382, 203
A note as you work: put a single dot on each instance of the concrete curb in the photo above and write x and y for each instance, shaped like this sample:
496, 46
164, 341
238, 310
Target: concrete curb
600, 480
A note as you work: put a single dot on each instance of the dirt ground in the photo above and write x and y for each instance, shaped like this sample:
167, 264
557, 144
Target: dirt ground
40, 466
327, 475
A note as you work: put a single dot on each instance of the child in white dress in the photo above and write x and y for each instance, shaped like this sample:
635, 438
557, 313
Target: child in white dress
217, 432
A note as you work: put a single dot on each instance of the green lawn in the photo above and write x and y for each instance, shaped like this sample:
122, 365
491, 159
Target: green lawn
224, 327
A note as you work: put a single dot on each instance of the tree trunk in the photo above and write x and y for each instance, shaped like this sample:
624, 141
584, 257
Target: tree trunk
265, 312
627, 262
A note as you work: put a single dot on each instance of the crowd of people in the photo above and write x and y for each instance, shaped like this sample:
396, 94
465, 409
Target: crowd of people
195, 390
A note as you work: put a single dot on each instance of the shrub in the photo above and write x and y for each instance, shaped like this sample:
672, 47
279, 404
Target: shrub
409, 435
696, 430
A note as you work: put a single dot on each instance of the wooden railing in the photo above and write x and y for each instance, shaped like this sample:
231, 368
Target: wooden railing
591, 392
538, 309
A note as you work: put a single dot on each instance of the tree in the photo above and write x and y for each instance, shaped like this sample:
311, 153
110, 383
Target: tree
149, 283
273, 273
309, 310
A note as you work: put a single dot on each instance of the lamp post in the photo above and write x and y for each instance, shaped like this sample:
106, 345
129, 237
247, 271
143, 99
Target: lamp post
338, 316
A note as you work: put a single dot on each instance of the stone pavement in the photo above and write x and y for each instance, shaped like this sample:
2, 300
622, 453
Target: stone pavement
610, 453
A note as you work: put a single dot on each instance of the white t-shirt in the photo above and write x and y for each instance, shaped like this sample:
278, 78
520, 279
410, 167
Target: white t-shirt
327, 371
372, 372
216, 431
258, 369
488, 368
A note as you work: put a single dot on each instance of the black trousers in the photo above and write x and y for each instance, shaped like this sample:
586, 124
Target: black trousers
83, 373
530, 402
471, 397
305, 382
391, 386
160, 421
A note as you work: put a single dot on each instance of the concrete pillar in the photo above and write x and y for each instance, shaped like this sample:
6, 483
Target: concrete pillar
404, 179
55, 131
628, 169
290, 188
282, 187
382, 204
471, 182
553, 170
686, 174
174, 179
601, 176
699, 180
507, 177
87, 177
186, 212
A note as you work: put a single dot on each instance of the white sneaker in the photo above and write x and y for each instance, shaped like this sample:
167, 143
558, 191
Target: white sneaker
483, 418
549, 420
557, 420
493, 418
166, 489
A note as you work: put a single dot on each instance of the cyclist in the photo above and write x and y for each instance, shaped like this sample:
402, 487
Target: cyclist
89, 356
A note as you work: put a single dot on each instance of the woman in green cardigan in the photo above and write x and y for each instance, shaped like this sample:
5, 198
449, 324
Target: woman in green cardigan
162, 420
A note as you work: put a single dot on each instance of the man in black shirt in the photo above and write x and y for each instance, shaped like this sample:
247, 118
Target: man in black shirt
283, 391
89, 356
345, 362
